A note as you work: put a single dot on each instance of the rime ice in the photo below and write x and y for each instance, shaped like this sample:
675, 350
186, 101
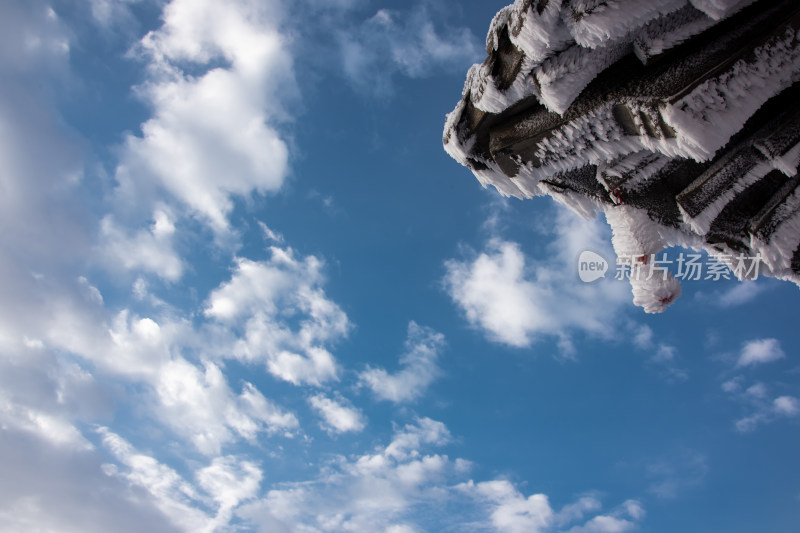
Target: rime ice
679, 120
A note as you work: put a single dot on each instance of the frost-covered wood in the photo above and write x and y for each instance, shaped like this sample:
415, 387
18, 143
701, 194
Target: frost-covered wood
678, 119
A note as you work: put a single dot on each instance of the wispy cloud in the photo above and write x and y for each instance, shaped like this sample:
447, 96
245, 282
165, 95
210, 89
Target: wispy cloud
408, 43
759, 404
405, 486
418, 368
737, 294
666, 357
674, 474
204, 505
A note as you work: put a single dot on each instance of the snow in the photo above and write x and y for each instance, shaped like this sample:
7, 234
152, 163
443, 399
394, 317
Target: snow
707, 117
563, 76
720, 9
669, 31
538, 34
594, 23
486, 95
724, 190
653, 294
777, 248
631, 139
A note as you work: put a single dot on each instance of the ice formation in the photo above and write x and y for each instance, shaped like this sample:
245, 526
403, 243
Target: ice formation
678, 119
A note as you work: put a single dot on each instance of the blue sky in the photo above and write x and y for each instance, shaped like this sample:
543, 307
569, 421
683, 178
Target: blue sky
244, 289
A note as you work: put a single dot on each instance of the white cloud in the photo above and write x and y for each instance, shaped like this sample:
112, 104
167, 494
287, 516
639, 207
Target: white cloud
404, 487
733, 385
70, 359
634, 509
212, 135
205, 507
112, 14
43, 211
760, 351
268, 297
418, 368
407, 43
366, 493
516, 300
173, 495
787, 405
337, 416
605, 524
741, 293
643, 337
270, 235
148, 250
574, 512
665, 356
49, 427
511, 511
760, 407
201, 406
759, 390
230, 481
47, 488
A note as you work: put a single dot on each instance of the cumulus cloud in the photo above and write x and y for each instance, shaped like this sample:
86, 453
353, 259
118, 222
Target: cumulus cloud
149, 250
268, 297
407, 43
516, 300
212, 136
71, 359
760, 351
787, 405
201, 406
511, 511
406, 486
418, 368
337, 415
